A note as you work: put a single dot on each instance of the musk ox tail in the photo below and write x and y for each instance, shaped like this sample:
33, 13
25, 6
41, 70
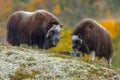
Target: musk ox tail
13, 30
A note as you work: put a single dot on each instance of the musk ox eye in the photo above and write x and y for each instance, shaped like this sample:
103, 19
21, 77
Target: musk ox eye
80, 35
51, 33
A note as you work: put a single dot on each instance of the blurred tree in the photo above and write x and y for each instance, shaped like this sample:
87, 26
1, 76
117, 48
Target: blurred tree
69, 12
21, 0
62, 4
6, 8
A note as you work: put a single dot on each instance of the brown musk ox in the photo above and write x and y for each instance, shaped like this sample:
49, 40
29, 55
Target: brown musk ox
39, 28
92, 38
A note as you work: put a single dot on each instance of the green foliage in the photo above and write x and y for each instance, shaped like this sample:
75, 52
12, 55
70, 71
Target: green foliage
116, 43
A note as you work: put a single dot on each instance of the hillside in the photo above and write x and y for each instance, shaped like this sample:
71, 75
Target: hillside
18, 63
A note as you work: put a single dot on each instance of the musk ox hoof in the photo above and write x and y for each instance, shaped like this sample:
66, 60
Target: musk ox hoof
72, 53
76, 54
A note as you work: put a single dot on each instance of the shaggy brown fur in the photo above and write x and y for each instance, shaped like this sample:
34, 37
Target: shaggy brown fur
95, 38
30, 28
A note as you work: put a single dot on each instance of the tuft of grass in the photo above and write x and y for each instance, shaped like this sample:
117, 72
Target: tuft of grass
21, 73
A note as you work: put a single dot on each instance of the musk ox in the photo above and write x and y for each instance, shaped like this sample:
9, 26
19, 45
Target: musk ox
40, 28
92, 38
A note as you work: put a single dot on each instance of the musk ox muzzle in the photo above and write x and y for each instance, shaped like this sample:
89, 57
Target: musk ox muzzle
55, 39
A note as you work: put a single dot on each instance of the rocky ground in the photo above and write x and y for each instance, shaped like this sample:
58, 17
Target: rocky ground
18, 63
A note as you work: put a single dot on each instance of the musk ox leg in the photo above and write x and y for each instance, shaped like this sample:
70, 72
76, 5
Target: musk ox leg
36, 39
92, 56
47, 44
40, 42
33, 40
109, 61
13, 30
13, 37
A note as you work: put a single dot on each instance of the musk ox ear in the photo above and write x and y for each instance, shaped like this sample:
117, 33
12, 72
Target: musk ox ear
61, 25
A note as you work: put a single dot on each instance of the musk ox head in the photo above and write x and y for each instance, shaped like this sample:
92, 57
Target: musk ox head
77, 42
52, 37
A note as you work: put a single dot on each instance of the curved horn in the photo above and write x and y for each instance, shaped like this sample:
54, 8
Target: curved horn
80, 41
50, 30
47, 34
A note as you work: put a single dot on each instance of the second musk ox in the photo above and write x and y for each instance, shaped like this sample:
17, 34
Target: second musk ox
40, 28
92, 38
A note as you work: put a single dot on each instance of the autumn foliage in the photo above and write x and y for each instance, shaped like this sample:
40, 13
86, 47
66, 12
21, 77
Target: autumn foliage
111, 26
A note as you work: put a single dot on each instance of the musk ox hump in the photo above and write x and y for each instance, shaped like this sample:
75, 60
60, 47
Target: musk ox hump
92, 22
47, 14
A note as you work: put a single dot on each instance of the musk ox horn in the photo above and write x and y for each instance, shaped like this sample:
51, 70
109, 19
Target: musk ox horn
80, 41
55, 27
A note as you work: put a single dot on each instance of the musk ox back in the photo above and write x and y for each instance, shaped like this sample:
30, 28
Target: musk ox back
90, 37
40, 28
